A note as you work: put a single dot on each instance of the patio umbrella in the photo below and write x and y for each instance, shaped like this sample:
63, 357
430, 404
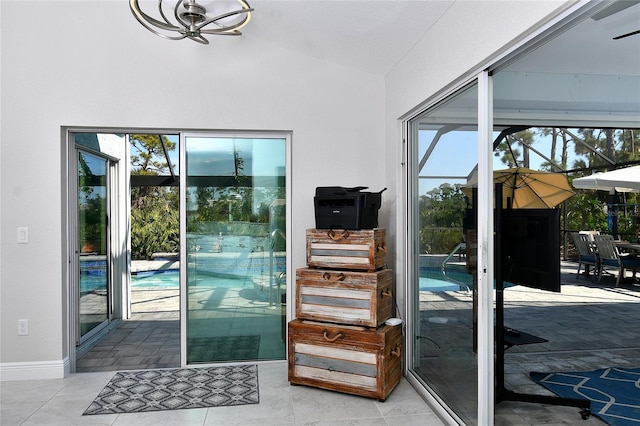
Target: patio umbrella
621, 180
528, 189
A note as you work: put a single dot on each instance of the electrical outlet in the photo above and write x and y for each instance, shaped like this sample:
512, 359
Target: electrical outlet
23, 327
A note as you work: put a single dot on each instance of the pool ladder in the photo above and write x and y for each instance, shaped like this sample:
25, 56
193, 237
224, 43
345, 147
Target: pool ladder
461, 247
282, 276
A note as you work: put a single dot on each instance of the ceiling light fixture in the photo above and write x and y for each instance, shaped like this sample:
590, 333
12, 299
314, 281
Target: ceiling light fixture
191, 19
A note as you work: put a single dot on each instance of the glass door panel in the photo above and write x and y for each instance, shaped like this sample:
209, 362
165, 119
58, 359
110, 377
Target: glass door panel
444, 157
94, 272
235, 248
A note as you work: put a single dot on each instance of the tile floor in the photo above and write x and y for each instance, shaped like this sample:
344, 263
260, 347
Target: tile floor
594, 326
151, 340
62, 402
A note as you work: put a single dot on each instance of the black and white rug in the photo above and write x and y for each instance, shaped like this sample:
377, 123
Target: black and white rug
178, 388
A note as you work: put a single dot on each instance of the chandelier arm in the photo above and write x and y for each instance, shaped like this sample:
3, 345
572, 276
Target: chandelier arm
162, 12
222, 33
223, 27
180, 37
199, 39
147, 20
159, 34
151, 29
229, 14
177, 15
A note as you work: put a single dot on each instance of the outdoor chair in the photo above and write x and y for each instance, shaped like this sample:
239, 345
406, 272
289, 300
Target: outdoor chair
587, 256
590, 234
611, 258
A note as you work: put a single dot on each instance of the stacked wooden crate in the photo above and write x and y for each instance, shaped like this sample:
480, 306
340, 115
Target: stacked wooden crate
339, 340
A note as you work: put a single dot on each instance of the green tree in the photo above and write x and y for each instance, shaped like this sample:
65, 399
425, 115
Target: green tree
513, 150
586, 212
155, 225
557, 135
441, 212
602, 149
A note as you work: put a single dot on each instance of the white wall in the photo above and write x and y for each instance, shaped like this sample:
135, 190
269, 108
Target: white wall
91, 64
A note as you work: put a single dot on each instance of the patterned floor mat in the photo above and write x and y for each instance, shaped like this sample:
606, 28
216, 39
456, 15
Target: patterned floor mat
174, 389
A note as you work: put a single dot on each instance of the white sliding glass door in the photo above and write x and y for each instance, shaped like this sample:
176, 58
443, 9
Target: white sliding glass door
234, 227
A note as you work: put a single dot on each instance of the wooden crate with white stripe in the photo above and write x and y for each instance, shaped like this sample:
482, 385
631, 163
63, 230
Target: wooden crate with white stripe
348, 359
361, 250
345, 297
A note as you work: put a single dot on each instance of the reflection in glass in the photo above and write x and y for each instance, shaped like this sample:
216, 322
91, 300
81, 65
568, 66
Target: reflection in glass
92, 232
236, 244
444, 159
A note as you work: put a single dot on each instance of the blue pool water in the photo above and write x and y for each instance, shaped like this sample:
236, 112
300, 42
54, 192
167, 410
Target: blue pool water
230, 271
93, 277
433, 279
169, 278
430, 280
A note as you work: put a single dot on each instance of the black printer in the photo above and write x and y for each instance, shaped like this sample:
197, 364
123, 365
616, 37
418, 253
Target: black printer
338, 207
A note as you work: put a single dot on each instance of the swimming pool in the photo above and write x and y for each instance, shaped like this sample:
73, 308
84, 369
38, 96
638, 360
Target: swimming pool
171, 279
430, 280
155, 279
228, 270
436, 279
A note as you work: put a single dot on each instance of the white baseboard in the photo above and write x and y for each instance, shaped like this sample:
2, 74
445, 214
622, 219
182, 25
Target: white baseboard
38, 370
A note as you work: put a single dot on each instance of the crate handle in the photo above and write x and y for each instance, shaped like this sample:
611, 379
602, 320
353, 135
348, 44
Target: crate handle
338, 237
397, 351
387, 293
382, 248
339, 277
334, 338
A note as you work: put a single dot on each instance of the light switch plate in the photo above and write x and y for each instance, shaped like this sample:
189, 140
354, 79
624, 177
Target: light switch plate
23, 235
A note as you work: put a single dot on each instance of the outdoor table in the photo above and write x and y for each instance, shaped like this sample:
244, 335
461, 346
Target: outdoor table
628, 247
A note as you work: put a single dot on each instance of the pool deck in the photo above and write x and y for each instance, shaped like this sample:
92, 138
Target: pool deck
586, 326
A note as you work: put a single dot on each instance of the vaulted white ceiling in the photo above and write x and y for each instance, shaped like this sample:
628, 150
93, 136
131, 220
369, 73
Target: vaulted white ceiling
371, 36
590, 45
375, 35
